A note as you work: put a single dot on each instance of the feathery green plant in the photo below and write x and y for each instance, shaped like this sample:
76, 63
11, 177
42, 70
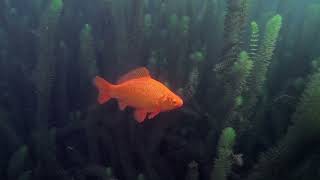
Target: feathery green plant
173, 22
100, 172
315, 64
148, 25
307, 116
254, 40
45, 68
56, 5
185, 25
310, 33
141, 177
267, 48
197, 56
241, 70
238, 101
233, 26
27, 175
45, 74
18, 162
263, 60
243, 17
304, 132
193, 171
226, 78
88, 69
87, 53
223, 163
8, 132
194, 76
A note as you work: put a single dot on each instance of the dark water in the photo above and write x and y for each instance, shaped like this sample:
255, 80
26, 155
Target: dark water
248, 72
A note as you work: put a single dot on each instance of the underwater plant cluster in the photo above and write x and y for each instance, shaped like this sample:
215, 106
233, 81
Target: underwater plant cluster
248, 72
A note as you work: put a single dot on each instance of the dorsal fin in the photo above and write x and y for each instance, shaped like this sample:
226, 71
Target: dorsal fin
134, 74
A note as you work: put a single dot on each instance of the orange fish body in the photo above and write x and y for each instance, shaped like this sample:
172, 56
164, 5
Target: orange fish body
137, 89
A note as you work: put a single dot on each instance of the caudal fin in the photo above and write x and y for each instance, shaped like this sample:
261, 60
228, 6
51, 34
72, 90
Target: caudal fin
104, 88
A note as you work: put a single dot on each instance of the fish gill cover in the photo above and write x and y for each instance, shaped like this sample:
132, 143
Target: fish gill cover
247, 72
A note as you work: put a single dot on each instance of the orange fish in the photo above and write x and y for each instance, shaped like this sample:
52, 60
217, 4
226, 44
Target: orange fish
139, 90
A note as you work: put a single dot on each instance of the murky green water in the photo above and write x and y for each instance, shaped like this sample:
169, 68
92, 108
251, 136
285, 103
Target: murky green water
247, 71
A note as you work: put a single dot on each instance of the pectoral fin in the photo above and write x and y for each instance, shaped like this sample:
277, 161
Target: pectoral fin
140, 115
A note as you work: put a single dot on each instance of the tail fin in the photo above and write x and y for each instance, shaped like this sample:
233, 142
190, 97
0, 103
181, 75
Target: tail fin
104, 88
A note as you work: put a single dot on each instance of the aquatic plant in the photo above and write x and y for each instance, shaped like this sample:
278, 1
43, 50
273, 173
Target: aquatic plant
140, 177
233, 30
18, 163
306, 119
236, 87
109, 172
120, 28
185, 25
243, 17
173, 21
254, 40
148, 25
87, 53
27, 175
87, 71
242, 69
309, 33
87, 64
303, 133
56, 6
262, 61
90, 126
134, 23
45, 68
197, 56
7, 131
223, 163
38, 4
153, 62
3, 41
227, 78
101, 172
61, 85
238, 101
180, 42
194, 76
193, 171
45, 74
315, 64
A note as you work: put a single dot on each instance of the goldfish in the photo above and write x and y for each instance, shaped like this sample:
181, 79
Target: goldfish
138, 90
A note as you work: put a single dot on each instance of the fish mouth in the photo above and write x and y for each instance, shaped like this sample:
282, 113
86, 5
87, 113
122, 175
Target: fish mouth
180, 104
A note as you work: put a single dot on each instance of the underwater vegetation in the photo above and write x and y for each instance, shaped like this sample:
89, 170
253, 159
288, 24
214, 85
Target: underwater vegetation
223, 163
248, 72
